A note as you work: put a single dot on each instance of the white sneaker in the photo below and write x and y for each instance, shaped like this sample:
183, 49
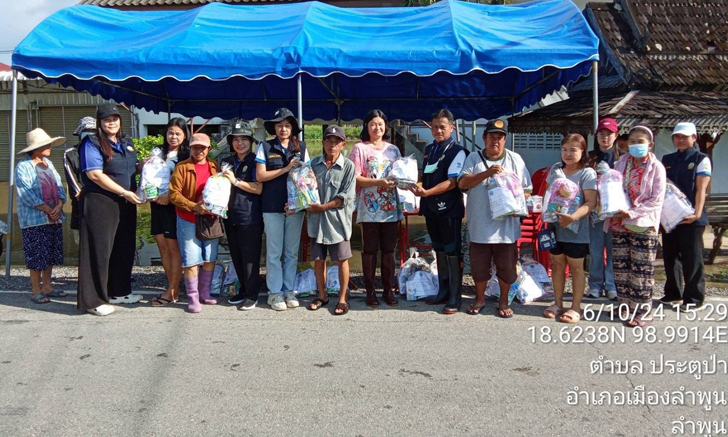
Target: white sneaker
593, 293
126, 300
612, 294
102, 310
277, 301
291, 300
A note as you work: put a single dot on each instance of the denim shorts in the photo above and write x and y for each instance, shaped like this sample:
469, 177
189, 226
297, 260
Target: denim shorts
194, 251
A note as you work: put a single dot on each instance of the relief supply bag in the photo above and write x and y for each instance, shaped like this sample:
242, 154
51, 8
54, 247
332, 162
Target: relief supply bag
612, 198
675, 208
405, 172
155, 176
506, 196
216, 193
302, 188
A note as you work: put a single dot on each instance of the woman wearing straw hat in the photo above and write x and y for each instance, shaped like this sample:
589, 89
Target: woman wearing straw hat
108, 222
274, 159
40, 212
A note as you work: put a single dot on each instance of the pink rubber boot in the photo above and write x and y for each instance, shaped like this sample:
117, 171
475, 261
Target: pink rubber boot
204, 284
193, 295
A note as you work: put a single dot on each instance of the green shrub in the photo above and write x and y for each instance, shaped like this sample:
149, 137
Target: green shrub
145, 145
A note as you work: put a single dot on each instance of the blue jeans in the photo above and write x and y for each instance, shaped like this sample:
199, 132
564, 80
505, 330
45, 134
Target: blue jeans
282, 237
194, 251
601, 277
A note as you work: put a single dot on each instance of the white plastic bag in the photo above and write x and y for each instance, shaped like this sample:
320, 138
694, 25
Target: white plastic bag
412, 265
421, 284
409, 202
306, 283
612, 198
527, 290
302, 188
332, 280
404, 171
155, 176
675, 208
216, 193
536, 270
506, 197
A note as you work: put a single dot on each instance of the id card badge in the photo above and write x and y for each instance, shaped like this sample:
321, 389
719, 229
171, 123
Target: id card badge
430, 168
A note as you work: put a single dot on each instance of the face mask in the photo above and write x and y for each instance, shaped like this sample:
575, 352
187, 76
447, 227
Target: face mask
639, 150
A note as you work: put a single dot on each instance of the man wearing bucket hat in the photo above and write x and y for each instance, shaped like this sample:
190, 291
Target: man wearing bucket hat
274, 159
72, 170
244, 224
40, 212
690, 170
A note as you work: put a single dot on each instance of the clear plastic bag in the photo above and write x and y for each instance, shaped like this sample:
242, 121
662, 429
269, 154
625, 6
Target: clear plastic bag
612, 198
333, 286
405, 172
302, 188
216, 193
305, 283
155, 176
506, 197
421, 284
561, 197
412, 265
527, 290
675, 207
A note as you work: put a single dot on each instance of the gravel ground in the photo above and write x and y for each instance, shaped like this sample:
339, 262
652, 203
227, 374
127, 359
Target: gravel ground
153, 279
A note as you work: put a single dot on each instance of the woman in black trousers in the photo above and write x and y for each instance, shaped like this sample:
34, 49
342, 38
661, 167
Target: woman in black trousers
108, 223
244, 225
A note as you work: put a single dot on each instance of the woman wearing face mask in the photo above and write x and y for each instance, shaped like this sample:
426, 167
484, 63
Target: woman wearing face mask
176, 148
108, 222
274, 159
244, 225
635, 231
601, 273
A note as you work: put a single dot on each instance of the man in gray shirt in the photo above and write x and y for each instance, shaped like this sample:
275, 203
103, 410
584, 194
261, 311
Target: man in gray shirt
329, 222
492, 241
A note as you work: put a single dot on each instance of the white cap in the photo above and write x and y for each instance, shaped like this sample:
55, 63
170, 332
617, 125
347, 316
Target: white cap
687, 129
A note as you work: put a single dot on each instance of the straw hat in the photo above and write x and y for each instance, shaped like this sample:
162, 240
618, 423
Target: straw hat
38, 138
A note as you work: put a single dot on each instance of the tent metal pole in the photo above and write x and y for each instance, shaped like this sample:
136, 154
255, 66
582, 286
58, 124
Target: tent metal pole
595, 77
457, 131
11, 177
300, 104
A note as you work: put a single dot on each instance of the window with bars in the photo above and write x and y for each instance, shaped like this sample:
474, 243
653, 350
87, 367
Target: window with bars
544, 141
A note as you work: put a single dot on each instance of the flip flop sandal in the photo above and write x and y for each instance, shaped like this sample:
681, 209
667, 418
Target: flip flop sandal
321, 303
474, 310
573, 317
552, 312
502, 313
639, 321
159, 301
343, 307
57, 293
38, 298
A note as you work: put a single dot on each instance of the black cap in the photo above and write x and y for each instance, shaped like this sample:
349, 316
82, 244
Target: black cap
106, 110
335, 131
496, 125
280, 115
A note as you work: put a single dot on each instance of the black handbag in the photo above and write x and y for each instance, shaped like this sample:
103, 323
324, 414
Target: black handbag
208, 227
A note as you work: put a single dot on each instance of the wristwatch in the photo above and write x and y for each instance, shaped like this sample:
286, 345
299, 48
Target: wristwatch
122, 193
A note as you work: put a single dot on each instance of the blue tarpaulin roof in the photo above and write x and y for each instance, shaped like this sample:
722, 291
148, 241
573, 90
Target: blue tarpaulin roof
229, 61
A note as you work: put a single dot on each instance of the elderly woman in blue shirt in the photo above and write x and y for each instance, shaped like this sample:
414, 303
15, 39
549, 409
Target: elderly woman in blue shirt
40, 212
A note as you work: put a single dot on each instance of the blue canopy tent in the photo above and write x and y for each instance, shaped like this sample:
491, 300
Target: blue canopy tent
227, 61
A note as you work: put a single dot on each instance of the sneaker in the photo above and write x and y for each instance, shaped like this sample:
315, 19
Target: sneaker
247, 305
277, 301
686, 308
126, 300
593, 293
291, 300
101, 310
237, 299
668, 300
612, 294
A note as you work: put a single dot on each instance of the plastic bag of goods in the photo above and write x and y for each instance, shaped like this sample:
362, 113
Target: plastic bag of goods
675, 208
306, 283
612, 198
408, 201
155, 176
302, 188
536, 270
216, 193
560, 197
405, 172
421, 284
527, 290
332, 280
412, 265
506, 197
218, 278
534, 204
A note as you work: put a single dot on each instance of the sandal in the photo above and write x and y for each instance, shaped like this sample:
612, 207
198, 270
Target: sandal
474, 310
57, 293
571, 315
159, 301
341, 309
552, 312
640, 321
317, 304
40, 298
503, 314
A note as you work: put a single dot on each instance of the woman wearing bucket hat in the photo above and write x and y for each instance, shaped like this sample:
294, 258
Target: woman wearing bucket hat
108, 222
274, 159
244, 224
40, 212
176, 148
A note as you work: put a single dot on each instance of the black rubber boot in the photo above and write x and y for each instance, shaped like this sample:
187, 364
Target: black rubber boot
443, 290
456, 285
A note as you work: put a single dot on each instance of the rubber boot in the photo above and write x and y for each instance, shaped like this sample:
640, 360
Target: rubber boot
369, 267
443, 277
456, 285
388, 279
205, 282
193, 296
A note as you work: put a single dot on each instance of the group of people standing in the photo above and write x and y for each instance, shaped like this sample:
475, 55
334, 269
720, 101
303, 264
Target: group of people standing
101, 173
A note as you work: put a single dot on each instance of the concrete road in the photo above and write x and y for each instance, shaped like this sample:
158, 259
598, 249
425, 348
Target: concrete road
405, 371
